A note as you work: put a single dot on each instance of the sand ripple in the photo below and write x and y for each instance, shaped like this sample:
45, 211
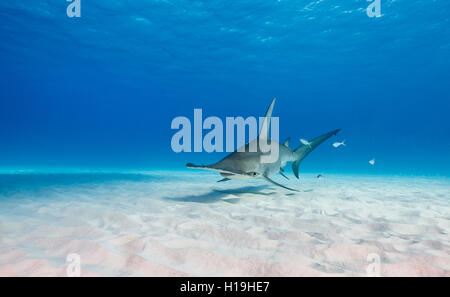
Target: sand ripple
186, 224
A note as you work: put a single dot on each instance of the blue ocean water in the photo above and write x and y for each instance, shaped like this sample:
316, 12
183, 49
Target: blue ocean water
100, 91
86, 164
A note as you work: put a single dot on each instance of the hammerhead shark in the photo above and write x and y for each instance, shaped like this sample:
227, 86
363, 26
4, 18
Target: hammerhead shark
246, 164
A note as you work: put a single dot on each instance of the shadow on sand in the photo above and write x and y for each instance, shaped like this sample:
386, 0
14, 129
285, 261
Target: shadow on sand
231, 195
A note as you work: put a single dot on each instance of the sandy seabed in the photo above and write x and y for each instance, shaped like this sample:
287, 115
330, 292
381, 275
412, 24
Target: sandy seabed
186, 224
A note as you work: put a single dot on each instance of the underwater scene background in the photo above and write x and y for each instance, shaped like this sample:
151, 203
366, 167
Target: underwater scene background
100, 91
86, 164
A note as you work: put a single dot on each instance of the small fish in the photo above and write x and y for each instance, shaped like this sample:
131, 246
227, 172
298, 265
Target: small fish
305, 142
372, 162
320, 176
338, 144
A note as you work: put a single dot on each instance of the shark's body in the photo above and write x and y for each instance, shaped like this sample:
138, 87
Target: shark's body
239, 162
245, 164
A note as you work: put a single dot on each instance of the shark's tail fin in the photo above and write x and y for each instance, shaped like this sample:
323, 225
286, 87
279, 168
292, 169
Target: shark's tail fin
303, 150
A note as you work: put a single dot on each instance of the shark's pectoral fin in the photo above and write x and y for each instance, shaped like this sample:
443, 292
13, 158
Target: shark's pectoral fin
223, 179
277, 184
282, 174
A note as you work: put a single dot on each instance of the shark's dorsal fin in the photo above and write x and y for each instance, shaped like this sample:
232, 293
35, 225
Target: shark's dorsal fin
286, 142
264, 132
